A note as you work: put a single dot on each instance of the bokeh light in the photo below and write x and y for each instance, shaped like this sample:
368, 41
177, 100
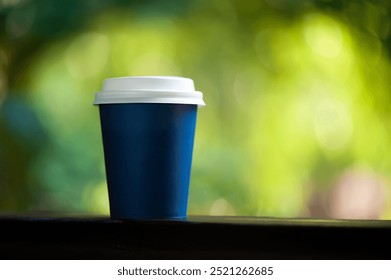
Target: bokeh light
297, 122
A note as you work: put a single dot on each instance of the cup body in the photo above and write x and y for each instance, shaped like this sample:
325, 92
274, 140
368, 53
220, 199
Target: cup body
148, 153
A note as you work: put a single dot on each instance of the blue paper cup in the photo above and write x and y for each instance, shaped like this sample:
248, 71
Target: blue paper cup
148, 126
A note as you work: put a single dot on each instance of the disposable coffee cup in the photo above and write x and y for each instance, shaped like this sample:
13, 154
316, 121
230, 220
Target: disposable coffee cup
148, 125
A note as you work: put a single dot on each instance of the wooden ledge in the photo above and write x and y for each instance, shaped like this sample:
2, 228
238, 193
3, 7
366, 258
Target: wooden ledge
198, 237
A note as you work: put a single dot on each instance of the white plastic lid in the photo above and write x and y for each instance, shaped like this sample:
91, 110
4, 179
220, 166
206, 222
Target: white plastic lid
149, 89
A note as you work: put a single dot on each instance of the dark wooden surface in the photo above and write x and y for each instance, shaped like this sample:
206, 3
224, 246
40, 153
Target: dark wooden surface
195, 238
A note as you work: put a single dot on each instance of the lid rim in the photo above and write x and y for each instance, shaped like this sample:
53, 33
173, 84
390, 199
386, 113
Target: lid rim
196, 102
148, 91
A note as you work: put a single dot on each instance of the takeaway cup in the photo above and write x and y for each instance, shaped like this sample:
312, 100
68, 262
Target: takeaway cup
148, 126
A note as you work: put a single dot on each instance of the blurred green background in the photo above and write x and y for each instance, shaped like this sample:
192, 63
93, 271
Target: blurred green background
297, 122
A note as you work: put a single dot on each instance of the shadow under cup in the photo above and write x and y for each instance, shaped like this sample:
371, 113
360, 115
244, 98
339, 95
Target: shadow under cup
148, 153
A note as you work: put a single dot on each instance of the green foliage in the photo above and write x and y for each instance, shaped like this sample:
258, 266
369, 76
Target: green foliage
297, 95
